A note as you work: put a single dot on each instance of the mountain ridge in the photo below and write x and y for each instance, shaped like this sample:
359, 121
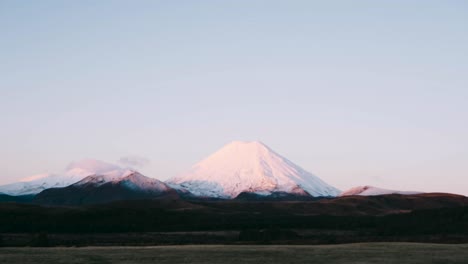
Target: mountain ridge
97, 189
74, 172
368, 190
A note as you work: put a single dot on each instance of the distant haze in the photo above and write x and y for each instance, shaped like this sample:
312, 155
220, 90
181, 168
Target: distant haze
356, 92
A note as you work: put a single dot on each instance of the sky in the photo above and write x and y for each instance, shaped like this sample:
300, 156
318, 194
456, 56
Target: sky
356, 92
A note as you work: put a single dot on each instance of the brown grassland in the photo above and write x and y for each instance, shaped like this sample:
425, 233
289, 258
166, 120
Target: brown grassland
362, 253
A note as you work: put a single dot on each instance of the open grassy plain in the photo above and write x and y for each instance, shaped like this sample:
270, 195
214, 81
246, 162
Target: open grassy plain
362, 253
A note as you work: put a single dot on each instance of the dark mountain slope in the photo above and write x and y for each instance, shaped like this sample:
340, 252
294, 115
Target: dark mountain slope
98, 190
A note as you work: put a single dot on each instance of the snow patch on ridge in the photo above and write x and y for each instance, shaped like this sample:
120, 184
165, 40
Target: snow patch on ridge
371, 191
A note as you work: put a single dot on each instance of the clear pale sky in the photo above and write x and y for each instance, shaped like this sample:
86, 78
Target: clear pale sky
356, 92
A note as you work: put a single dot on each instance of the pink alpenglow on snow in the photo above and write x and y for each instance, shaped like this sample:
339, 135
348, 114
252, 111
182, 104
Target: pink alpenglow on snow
249, 167
75, 172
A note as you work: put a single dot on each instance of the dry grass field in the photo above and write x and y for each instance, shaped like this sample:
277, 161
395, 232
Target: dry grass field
384, 253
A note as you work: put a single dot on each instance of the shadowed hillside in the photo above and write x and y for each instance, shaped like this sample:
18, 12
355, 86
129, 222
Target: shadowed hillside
423, 217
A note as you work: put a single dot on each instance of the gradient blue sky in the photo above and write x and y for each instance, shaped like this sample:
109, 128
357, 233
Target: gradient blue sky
357, 92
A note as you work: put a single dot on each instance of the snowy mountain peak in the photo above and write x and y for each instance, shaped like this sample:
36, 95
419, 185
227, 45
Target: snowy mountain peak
371, 191
138, 181
242, 166
245, 147
75, 172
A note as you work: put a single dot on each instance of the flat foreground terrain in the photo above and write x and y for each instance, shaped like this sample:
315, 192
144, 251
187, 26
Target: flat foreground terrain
349, 253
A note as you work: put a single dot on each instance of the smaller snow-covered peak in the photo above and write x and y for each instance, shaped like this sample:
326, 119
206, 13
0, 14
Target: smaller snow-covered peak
75, 172
102, 189
99, 179
371, 191
136, 180
130, 179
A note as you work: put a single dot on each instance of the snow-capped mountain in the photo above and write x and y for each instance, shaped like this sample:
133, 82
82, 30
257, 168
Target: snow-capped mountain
371, 191
103, 189
75, 172
249, 167
131, 180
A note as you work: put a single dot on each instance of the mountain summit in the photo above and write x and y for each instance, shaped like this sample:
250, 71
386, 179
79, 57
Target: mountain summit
249, 167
